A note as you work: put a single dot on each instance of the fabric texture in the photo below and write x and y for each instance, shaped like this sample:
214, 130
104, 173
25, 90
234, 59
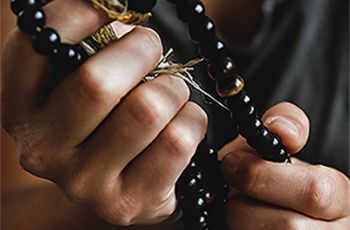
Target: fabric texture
301, 55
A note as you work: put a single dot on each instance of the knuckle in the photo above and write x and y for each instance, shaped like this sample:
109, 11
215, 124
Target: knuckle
144, 108
75, 188
291, 223
122, 212
179, 141
319, 189
32, 162
92, 85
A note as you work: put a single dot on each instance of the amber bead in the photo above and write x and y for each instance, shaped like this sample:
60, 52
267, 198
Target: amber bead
31, 21
230, 86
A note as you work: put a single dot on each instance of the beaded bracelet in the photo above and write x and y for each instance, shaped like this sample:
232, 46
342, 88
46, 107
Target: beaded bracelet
45, 40
201, 189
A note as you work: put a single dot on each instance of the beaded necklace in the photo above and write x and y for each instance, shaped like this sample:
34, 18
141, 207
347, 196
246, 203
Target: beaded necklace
201, 189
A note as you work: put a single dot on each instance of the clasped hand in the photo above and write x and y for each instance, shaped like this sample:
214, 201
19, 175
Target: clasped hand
118, 146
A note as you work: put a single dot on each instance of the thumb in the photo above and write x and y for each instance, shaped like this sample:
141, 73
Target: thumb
284, 119
290, 123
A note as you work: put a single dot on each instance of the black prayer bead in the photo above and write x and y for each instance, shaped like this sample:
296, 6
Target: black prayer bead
141, 6
190, 182
66, 58
31, 21
205, 155
214, 50
197, 220
18, 6
190, 10
46, 41
223, 69
202, 30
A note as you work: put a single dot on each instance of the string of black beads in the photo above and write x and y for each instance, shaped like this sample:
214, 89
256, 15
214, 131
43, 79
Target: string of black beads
46, 41
229, 84
202, 190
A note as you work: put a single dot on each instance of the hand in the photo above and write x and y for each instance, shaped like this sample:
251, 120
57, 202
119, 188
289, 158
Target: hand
284, 196
109, 142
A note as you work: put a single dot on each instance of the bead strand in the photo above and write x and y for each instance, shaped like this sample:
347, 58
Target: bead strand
228, 83
46, 41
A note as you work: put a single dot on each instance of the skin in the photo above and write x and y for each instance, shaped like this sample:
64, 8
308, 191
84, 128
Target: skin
78, 134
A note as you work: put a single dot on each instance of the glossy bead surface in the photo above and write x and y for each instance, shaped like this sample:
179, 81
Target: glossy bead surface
141, 6
189, 182
202, 29
20, 5
46, 41
66, 58
31, 21
190, 10
197, 220
223, 69
213, 50
230, 86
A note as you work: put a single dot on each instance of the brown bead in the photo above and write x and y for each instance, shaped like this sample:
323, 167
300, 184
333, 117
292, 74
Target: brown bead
222, 70
230, 86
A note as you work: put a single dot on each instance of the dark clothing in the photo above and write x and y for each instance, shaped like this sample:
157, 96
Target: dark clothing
301, 55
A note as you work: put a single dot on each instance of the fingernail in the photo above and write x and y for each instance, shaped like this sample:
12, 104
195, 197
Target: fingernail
283, 123
121, 29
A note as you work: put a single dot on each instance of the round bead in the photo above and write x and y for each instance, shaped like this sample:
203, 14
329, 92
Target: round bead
202, 30
190, 10
46, 41
214, 50
189, 182
230, 86
31, 21
20, 5
223, 69
197, 220
143, 6
66, 58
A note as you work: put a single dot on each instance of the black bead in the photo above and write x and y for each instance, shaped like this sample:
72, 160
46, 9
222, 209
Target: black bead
196, 221
20, 5
205, 154
46, 41
190, 10
31, 21
141, 6
190, 182
214, 50
202, 30
222, 69
66, 58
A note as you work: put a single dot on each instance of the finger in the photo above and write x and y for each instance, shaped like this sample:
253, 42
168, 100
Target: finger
284, 119
316, 191
84, 99
248, 214
162, 162
136, 123
72, 27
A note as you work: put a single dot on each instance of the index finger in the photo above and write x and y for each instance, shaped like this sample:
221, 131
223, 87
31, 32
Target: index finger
317, 191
